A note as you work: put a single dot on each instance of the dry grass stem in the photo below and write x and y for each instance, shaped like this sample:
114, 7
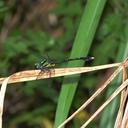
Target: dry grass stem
33, 74
2, 95
123, 99
93, 96
125, 63
124, 102
118, 90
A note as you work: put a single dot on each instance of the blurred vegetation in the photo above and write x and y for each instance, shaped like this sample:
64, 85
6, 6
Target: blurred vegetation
32, 29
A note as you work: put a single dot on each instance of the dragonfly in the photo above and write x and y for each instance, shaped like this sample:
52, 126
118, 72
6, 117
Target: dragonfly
47, 64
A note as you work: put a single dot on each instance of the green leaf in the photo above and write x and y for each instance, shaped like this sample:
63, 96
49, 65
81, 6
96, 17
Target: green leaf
81, 46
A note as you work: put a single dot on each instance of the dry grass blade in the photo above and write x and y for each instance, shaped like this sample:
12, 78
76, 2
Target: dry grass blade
124, 95
33, 74
118, 90
125, 63
93, 96
125, 117
2, 95
124, 102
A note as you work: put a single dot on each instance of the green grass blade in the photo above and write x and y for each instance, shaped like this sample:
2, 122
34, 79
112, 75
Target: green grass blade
83, 40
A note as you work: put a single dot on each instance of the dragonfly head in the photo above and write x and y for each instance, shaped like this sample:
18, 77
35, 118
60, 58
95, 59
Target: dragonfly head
37, 65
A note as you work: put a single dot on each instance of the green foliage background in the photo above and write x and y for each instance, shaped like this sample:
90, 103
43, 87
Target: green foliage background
33, 104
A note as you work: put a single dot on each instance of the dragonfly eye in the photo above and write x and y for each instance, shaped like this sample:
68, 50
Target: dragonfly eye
90, 59
37, 65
